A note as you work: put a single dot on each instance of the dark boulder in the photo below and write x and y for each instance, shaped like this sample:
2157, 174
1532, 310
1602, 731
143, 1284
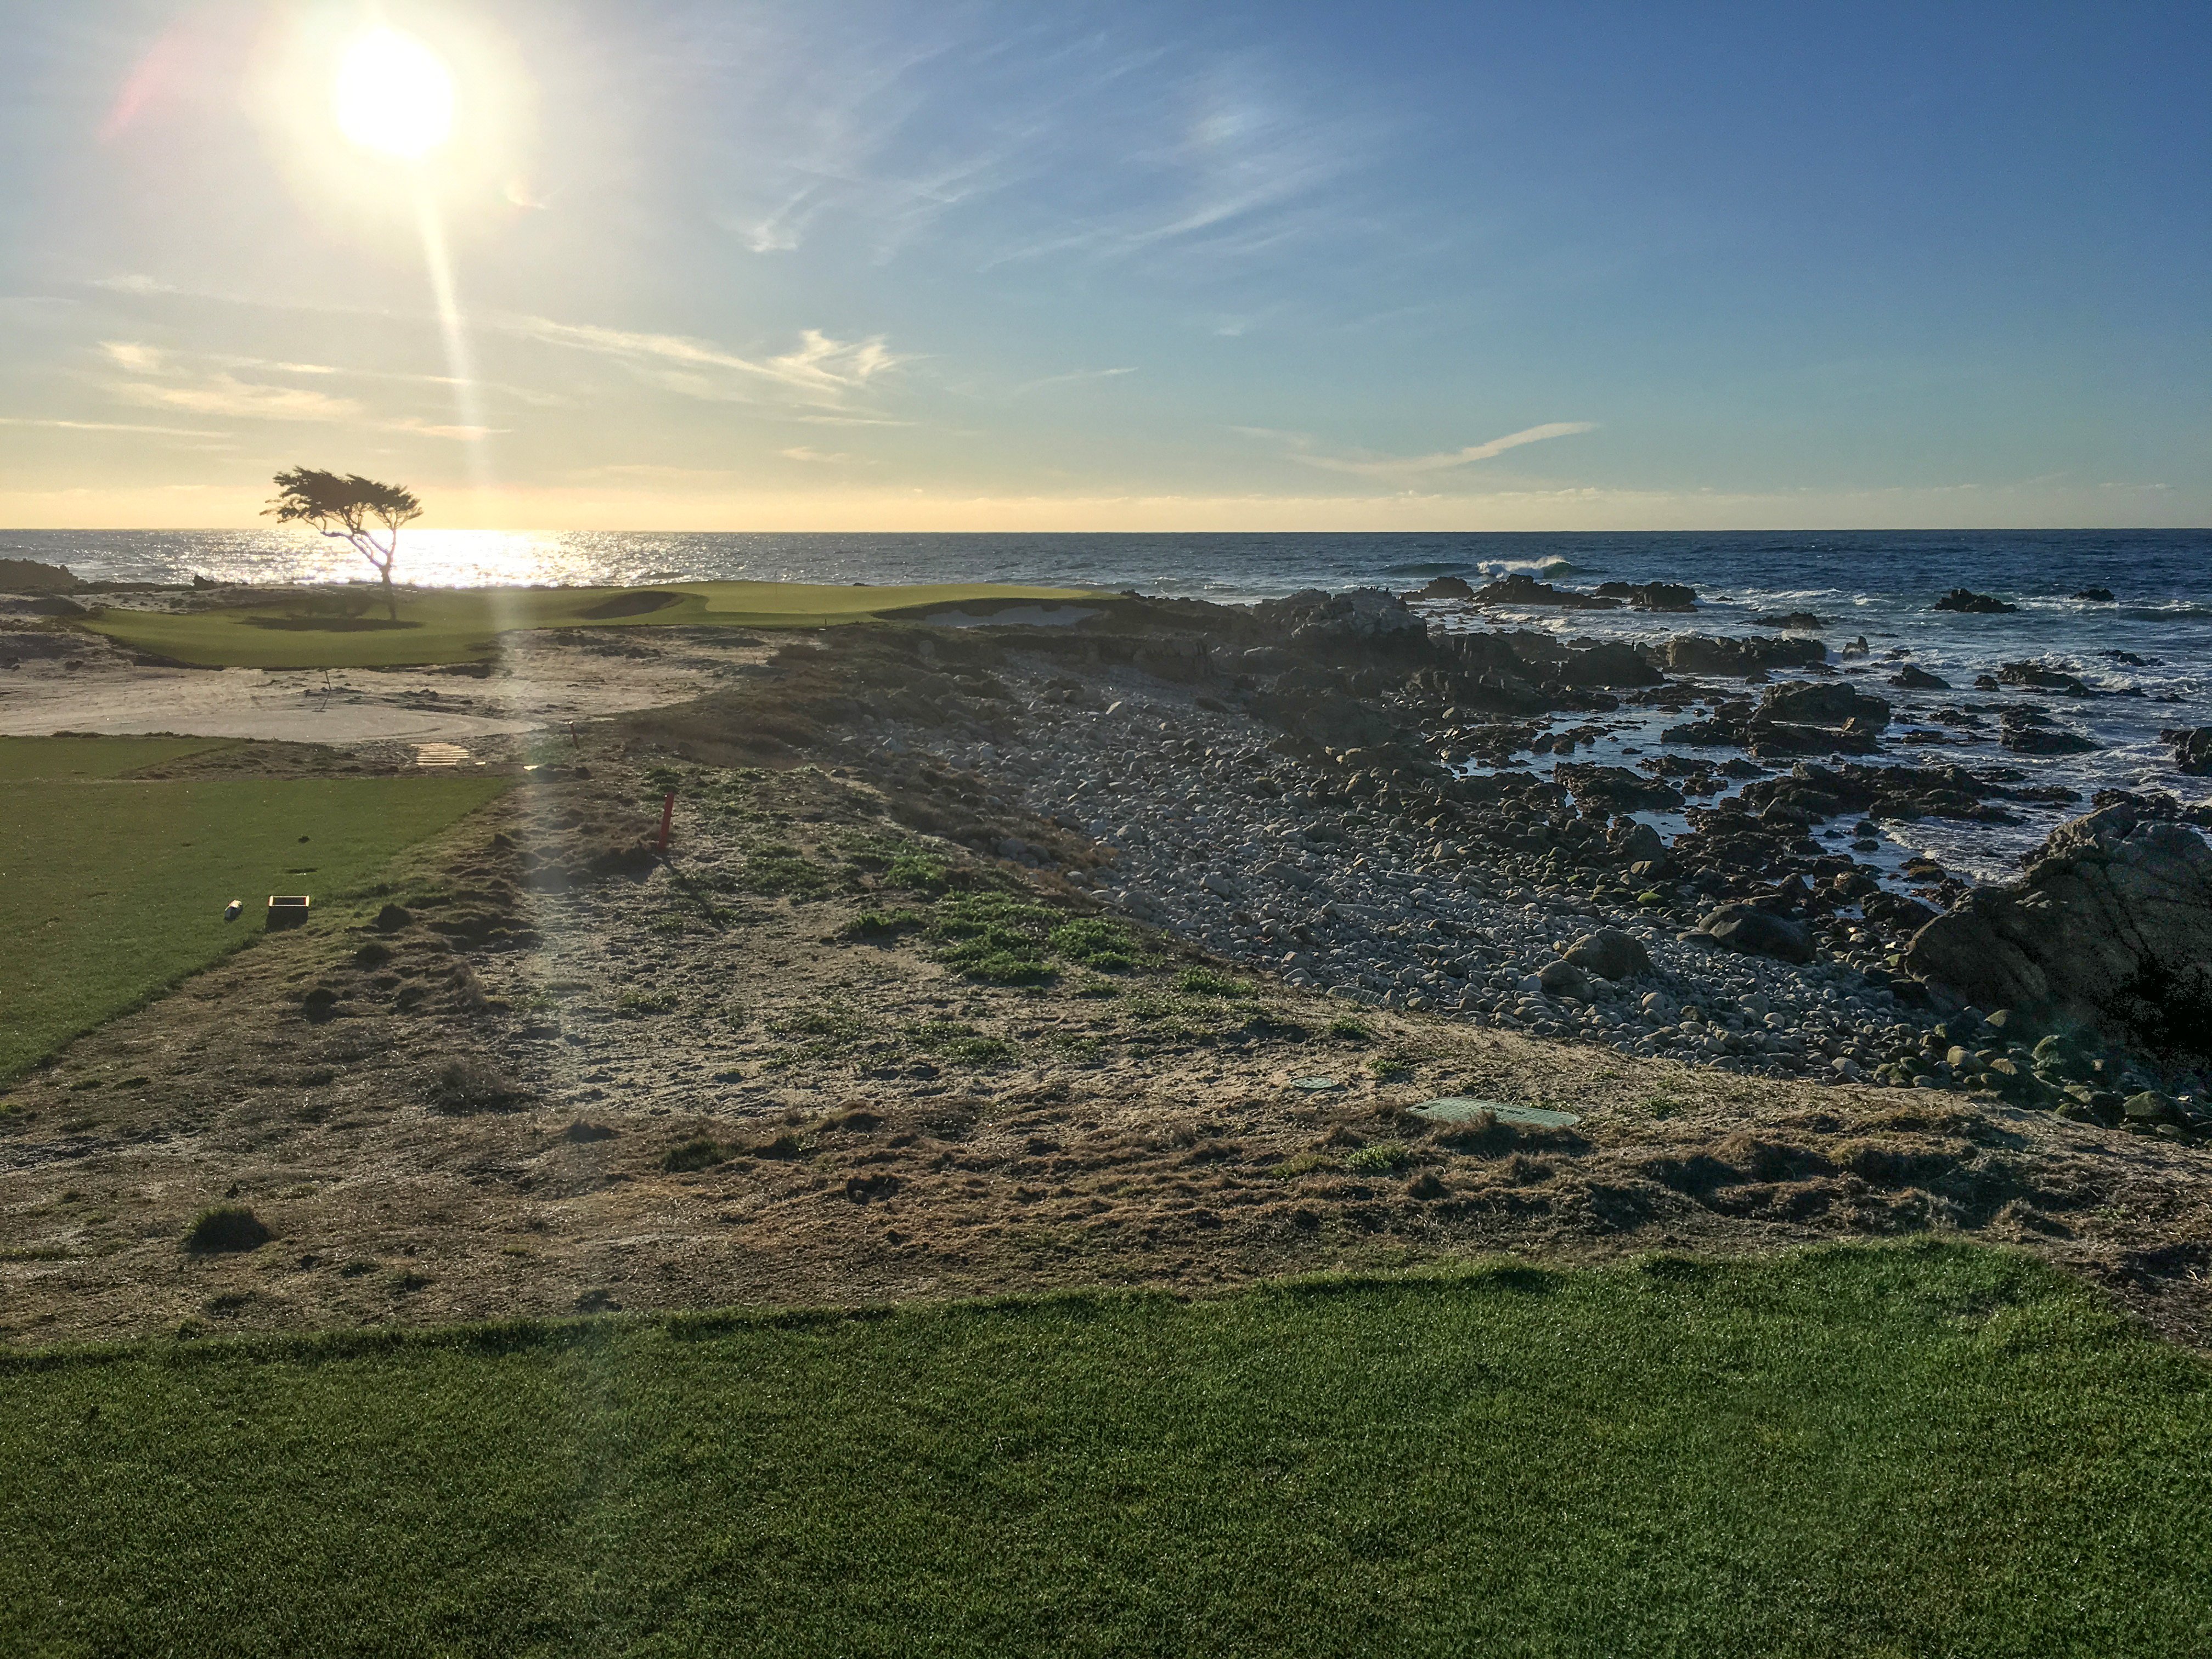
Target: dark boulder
35, 576
1614, 788
1758, 932
1791, 622
1909, 678
2095, 595
2110, 927
1959, 599
1447, 587
1333, 718
1363, 618
1896, 913
1613, 664
1610, 954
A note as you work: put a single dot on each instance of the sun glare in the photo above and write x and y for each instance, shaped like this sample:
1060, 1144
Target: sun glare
393, 96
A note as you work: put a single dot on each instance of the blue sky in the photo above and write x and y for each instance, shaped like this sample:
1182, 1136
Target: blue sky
1324, 266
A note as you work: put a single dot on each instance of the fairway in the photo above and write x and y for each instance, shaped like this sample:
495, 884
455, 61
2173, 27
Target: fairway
25, 758
462, 625
110, 889
1887, 1450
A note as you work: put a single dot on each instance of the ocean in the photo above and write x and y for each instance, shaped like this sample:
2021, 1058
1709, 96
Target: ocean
2147, 654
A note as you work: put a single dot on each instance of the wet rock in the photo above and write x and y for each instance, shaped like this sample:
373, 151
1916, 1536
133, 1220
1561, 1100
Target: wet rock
1909, 678
1651, 596
1962, 599
2027, 732
1447, 587
1615, 788
1758, 932
2192, 749
1832, 704
1791, 622
1737, 655
1610, 954
2095, 595
2111, 925
1520, 589
2045, 679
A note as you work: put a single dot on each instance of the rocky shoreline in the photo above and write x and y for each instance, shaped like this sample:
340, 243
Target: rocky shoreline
1291, 786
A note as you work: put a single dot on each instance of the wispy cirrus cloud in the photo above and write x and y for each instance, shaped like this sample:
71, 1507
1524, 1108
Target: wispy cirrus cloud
1073, 377
819, 368
110, 426
223, 394
1414, 466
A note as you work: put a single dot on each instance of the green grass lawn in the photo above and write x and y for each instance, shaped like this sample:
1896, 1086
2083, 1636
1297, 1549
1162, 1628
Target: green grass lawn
1934, 1450
111, 890
24, 758
461, 624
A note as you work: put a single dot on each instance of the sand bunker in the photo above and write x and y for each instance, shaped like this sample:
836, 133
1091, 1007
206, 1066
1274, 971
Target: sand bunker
540, 681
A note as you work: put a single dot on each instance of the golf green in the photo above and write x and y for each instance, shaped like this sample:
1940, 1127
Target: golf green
439, 625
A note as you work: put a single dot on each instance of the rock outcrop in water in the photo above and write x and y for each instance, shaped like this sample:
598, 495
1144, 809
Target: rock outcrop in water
1973, 604
2110, 927
2192, 749
1651, 596
1519, 589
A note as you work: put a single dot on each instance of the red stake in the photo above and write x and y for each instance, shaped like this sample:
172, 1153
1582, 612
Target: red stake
667, 815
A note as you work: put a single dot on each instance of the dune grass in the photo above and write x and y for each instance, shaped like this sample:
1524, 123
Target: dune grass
441, 625
111, 890
1924, 1449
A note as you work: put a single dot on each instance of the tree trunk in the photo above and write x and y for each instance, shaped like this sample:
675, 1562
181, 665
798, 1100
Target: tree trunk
391, 599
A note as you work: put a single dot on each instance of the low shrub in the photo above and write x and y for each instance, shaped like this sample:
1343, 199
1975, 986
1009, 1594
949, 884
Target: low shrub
470, 1085
700, 1152
226, 1227
1094, 942
1208, 983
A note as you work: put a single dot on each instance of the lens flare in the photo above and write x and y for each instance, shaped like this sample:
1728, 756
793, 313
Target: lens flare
393, 96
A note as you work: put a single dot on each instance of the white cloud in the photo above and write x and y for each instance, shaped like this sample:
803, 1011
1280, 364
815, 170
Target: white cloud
131, 354
1412, 466
801, 453
134, 283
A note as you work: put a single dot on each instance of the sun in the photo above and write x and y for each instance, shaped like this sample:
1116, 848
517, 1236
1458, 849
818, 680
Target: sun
393, 96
